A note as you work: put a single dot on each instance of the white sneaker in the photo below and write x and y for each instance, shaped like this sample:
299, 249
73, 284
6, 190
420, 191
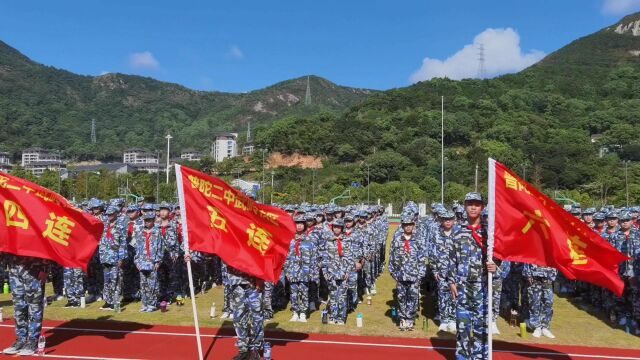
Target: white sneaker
546, 332
294, 318
302, 317
374, 291
452, 327
230, 316
224, 315
494, 328
537, 332
443, 327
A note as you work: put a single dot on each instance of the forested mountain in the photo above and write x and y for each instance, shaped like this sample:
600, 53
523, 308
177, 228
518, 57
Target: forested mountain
53, 108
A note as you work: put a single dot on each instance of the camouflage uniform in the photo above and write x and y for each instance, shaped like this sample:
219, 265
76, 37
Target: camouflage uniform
337, 264
113, 250
73, 284
299, 269
540, 294
169, 270
630, 246
131, 286
467, 270
27, 291
407, 265
497, 281
439, 264
148, 256
353, 240
246, 302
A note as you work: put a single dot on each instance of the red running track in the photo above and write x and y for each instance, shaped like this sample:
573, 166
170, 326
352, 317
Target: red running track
79, 339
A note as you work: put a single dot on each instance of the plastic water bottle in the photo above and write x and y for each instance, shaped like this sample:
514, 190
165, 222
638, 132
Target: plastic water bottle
42, 342
266, 351
1, 315
523, 330
394, 312
83, 302
117, 307
359, 320
425, 324
212, 312
369, 300
5, 288
325, 317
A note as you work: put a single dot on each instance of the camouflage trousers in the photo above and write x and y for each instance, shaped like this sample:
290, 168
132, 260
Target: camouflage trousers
169, 276
95, 278
352, 291
267, 299
408, 296
540, 299
28, 296
338, 300
131, 279
497, 294
299, 297
368, 272
57, 278
248, 321
149, 288
624, 305
471, 318
446, 306
511, 288
112, 283
73, 283
228, 294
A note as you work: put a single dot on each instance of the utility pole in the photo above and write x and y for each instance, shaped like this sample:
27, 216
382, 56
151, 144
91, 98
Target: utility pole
262, 184
476, 177
168, 137
626, 180
368, 182
313, 185
272, 173
442, 152
158, 179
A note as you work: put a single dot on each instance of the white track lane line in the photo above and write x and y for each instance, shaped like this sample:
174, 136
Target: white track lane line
424, 347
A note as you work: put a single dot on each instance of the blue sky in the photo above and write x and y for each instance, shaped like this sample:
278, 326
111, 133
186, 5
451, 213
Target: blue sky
245, 45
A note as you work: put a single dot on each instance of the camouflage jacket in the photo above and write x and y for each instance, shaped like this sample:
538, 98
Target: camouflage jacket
149, 248
300, 265
113, 243
169, 234
334, 265
539, 272
407, 265
467, 259
630, 246
438, 249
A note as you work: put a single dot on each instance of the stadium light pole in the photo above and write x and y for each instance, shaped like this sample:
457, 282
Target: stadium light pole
168, 137
442, 151
626, 180
272, 173
368, 182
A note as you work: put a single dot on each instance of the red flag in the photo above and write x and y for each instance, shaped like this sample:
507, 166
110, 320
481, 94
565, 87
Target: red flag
530, 227
41, 223
219, 219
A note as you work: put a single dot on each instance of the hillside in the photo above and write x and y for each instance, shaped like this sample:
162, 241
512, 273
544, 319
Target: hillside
539, 122
49, 107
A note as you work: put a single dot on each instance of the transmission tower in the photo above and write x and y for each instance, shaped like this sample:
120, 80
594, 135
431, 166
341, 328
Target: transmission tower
93, 131
481, 72
307, 96
248, 132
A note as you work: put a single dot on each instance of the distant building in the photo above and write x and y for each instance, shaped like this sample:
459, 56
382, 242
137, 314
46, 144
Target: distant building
224, 146
5, 162
117, 168
139, 156
37, 168
32, 155
191, 155
248, 147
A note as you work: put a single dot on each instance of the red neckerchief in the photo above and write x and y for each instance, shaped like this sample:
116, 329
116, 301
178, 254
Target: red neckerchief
109, 235
611, 232
339, 238
407, 245
147, 242
180, 232
298, 241
475, 233
348, 231
130, 230
164, 229
599, 228
309, 230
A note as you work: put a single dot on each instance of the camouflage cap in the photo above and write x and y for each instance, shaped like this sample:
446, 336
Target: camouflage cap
407, 219
625, 216
612, 215
589, 211
164, 205
112, 210
133, 208
473, 196
598, 216
338, 222
447, 215
149, 216
299, 219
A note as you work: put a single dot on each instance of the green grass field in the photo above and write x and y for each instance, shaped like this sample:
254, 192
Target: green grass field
571, 325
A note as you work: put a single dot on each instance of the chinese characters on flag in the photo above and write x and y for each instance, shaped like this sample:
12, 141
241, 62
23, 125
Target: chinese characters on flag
219, 219
530, 227
37, 222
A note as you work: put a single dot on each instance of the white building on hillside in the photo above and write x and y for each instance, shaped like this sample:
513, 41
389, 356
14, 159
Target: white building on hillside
224, 146
139, 156
36, 154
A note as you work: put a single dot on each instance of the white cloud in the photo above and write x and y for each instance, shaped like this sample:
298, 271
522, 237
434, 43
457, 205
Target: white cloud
103, 72
502, 54
620, 7
143, 60
235, 53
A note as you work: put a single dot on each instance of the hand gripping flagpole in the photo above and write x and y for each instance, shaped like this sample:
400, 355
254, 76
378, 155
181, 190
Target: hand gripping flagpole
491, 210
185, 240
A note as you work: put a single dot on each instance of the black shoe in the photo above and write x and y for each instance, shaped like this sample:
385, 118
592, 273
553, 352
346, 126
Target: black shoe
72, 304
243, 355
106, 306
254, 355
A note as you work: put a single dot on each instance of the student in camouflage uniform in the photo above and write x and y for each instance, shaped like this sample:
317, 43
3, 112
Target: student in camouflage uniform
497, 281
131, 286
298, 269
227, 312
353, 240
248, 321
438, 256
539, 280
113, 251
170, 269
148, 257
337, 264
629, 242
468, 281
407, 265
95, 277
27, 276
74, 286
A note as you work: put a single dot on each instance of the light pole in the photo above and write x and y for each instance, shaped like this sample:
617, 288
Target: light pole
626, 180
168, 137
262, 184
442, 152
313, 185
272, 173
368, 182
